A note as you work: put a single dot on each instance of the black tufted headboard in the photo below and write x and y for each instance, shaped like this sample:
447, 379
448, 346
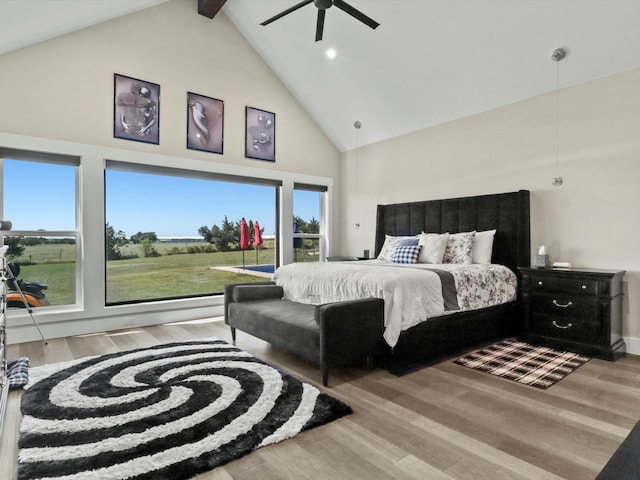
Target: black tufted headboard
508, 213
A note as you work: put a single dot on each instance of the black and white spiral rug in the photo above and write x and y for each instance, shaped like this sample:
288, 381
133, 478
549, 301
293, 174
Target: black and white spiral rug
166, 412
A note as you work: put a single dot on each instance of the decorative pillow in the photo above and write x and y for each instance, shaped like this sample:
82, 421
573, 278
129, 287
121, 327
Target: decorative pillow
18, 372
409, 242
482, 246
406, 254
433, 247
459, 247
389, 246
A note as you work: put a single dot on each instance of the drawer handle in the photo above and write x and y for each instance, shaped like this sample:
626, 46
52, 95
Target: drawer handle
562, 327
562, 305
539, 283
584, 287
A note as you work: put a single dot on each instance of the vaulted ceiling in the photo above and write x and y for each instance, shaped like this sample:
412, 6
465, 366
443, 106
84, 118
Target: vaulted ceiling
429, 61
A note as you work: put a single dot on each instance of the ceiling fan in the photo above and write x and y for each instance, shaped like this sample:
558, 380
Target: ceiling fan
322, 6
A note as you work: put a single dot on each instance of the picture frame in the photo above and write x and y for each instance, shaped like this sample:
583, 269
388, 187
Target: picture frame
205, 123
136, 109
260, 134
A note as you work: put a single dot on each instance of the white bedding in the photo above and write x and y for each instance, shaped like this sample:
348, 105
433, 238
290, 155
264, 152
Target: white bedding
412, 293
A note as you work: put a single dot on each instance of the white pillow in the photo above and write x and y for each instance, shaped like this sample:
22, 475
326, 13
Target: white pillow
433, 247
482, 246
389, 246
459, 248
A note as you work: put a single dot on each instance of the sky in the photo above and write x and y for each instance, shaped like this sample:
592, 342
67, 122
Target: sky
42, 196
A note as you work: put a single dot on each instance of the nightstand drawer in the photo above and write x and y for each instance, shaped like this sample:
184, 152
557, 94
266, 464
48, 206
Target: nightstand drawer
547, 283
564, 306
570, 329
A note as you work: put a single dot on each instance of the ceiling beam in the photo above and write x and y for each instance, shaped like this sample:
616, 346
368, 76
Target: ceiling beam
209, 8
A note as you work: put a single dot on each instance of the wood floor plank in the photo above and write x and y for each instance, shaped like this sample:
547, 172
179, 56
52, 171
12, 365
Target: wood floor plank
383, 454
444, 422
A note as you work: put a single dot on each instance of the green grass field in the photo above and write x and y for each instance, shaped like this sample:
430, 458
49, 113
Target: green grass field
145, 278
176, 275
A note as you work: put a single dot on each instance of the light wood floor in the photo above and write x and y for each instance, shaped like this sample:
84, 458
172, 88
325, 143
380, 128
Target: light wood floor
442, 422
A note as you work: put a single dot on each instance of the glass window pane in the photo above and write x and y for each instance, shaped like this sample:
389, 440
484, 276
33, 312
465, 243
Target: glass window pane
46, 270
306, 250
39, 196
173, 237
39, 199
307, 214
307, 210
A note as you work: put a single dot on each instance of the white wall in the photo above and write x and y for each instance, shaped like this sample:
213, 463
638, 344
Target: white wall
590, 221
57, 96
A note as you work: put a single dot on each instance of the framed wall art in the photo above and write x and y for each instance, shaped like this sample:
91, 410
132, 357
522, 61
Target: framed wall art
205, 123
136, 109
260, 134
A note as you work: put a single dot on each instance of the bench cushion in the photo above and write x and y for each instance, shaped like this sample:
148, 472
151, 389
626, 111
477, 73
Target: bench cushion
245, 293
286, 324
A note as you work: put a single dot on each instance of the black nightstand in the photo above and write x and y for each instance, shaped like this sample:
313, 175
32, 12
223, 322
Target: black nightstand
578, 310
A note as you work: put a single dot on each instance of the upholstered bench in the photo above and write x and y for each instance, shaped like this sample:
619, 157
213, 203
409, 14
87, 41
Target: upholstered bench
330, 335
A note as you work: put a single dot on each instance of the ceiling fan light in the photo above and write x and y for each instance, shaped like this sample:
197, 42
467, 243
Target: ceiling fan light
322, 6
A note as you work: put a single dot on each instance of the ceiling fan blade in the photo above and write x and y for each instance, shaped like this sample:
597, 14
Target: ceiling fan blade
345, 7
286, 12
320, 25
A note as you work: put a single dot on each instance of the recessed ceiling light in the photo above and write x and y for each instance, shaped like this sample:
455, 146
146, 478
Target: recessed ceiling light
331, 53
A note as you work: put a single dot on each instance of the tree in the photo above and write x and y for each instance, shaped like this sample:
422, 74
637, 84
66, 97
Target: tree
206, 234
224, 237
15, 249
251, 231
138, 237
313, 226
30, 241
115, 241
148, 250
229, 235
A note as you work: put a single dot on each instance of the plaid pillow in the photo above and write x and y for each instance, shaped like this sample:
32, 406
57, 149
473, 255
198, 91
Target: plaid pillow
18, 372
406, 254
389, 246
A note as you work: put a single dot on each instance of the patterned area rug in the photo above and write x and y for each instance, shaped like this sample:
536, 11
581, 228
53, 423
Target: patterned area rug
166, 412
523, 363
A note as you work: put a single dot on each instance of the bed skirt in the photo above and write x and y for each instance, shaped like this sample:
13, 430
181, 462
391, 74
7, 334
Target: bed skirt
449, 335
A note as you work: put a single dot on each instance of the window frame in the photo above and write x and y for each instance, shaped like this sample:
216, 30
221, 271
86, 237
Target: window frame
123, 166
14, 154
91, 316
322, 235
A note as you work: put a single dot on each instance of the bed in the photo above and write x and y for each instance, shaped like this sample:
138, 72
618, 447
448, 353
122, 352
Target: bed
447, 334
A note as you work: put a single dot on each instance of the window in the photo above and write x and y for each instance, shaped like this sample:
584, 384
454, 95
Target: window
39, 198
308, 222
173, 233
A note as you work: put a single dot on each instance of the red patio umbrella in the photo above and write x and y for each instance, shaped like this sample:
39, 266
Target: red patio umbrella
245, 237
257, 238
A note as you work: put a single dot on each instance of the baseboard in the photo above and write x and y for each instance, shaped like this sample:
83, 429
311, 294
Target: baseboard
26, 332
633, 345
